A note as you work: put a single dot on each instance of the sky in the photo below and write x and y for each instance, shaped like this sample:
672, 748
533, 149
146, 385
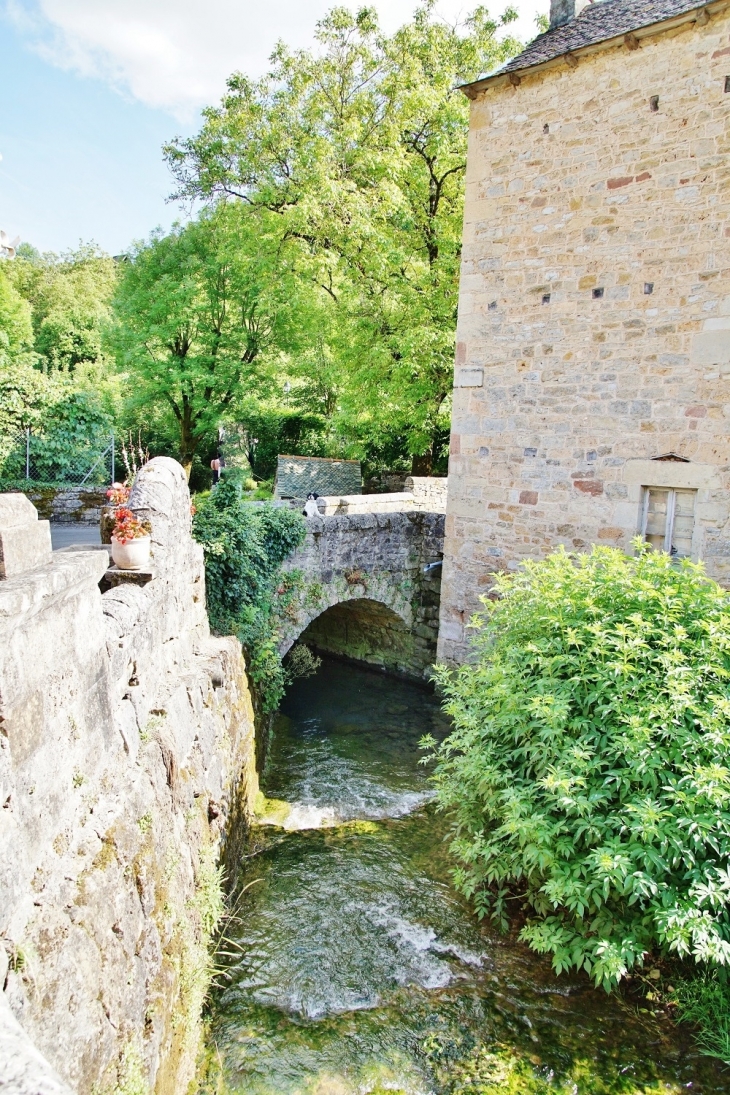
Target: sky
91, 89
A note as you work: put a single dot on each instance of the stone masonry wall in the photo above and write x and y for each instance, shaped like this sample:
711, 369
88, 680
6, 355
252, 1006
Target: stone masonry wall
422, 492
430, 492
594, 310
126, 740
371, 567
73, 505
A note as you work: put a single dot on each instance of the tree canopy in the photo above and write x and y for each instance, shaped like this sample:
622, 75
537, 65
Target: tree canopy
56, 379
197, 309
357, 150
69, 298
312, 301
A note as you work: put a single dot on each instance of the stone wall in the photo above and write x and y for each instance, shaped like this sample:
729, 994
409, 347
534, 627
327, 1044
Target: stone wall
362, 590
126, 739
69, 505
423, 492
594, 311
429, 492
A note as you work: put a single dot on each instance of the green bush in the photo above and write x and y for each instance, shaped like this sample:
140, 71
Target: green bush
245, 546
587, 773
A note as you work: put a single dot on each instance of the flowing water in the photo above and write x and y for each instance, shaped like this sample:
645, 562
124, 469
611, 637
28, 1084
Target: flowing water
353, 965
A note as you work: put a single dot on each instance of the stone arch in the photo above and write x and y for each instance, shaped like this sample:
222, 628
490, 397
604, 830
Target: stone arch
363, 559
337, 591
366, 630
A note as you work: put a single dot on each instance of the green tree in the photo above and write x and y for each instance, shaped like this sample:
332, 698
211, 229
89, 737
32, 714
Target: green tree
358, 151
55, 379
16, 327
197, 310
70, 300
23, 391
587, 774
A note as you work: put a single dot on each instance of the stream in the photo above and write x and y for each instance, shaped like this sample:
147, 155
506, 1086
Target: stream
352, 965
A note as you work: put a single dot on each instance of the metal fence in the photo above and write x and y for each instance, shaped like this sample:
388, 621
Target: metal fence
45, 460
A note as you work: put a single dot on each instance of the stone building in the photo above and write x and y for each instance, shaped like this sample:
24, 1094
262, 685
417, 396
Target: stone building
592, 380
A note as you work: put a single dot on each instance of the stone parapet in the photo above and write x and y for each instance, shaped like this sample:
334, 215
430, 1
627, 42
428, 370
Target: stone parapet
426, 493
25, 542
126, 741
67, 505
429, 492
23, 1070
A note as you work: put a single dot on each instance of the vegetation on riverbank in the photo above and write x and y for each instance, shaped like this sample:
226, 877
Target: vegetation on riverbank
587, 773
245, 546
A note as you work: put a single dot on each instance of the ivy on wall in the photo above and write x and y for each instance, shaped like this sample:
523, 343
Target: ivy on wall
245, 545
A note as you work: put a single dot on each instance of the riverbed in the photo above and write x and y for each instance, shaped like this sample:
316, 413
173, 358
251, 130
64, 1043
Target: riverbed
352, 966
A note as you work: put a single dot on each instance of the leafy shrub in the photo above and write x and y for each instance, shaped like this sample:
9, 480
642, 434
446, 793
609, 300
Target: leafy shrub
245, 546
587, 773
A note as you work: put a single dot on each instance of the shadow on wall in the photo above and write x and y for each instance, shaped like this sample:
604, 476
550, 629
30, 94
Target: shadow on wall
365, 631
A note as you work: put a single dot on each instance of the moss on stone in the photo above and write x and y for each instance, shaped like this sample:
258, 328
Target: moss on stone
270, 811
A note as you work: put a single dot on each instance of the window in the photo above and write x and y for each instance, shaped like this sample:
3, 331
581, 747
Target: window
668, 520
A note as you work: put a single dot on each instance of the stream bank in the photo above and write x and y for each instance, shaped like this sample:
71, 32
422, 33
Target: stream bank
352, 966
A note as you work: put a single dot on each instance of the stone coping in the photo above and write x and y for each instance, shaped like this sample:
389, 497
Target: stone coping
28, 592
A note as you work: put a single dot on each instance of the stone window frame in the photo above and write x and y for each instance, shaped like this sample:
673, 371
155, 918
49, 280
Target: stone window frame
640, 473
669, 517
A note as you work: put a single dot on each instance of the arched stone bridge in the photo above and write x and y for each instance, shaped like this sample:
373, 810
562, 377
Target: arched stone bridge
362, 585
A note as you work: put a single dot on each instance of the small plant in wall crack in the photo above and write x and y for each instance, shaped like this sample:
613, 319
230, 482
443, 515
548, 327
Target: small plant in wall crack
356, 577
314, 595
131, 1079
301, 662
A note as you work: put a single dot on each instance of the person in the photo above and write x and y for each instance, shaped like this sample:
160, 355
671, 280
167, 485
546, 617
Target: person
217, 465
311, 509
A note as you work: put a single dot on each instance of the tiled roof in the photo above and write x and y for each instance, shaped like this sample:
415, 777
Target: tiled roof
598, 22
296, 476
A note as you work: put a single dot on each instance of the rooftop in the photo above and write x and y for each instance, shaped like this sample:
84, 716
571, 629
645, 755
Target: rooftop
296, 476
599, 22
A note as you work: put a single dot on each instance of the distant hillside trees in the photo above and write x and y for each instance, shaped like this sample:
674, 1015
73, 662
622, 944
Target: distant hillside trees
55, 377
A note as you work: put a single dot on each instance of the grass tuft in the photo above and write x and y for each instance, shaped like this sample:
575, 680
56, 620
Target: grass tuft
705, 1001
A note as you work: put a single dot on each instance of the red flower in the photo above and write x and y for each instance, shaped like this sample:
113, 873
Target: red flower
127, 527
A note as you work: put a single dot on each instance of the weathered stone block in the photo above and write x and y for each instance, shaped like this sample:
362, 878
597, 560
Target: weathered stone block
25, 542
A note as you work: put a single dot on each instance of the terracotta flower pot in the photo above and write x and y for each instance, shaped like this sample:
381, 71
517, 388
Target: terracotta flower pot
133, 555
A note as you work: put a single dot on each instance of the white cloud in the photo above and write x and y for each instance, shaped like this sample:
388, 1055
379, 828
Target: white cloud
176, 54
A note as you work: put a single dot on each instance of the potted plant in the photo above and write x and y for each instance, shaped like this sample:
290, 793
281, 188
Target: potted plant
130, 540
117, 495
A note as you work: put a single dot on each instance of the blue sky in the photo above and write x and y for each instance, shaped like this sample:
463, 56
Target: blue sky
90, 90
80, 160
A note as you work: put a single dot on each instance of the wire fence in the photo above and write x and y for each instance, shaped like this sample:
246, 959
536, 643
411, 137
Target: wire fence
45, 461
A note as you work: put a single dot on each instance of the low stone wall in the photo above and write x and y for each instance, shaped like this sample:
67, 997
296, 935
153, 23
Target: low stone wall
429, 492
332, 504
422, 493
68, 505
126, 740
